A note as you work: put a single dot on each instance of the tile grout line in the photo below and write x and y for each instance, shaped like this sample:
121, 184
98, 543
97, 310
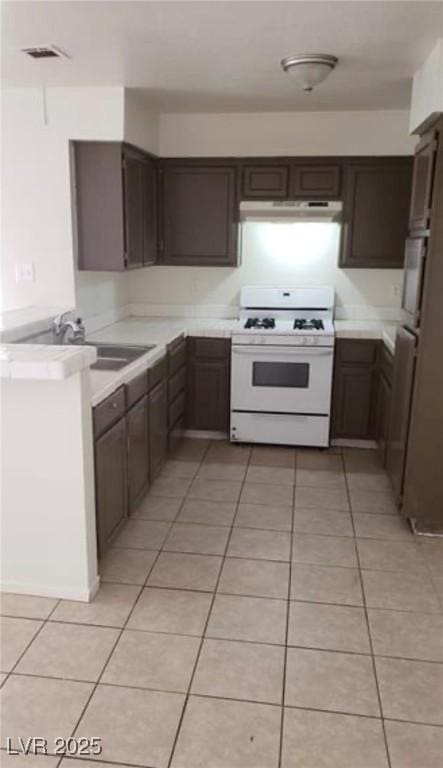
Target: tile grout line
288, 609
203, 636
365, 608
34, 637
46, 621
431, 576
215, 592
108, 658
122, 629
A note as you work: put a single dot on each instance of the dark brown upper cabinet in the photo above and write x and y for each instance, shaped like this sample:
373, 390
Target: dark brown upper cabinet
423, 182
312, 181
114, 206
198, 214
375, 212
265, 182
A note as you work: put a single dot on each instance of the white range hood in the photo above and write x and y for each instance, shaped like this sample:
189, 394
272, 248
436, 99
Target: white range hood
290, 210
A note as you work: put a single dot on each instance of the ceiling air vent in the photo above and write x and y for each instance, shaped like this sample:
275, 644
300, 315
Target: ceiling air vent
45, 52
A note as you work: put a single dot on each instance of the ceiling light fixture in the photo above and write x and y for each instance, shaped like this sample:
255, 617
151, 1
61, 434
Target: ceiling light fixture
309, 68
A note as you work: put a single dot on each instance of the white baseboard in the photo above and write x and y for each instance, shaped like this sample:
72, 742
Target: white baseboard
344, 443
205, 435
39, 590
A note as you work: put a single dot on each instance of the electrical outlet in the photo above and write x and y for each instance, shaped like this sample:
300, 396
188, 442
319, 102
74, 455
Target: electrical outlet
396, 290
24, 273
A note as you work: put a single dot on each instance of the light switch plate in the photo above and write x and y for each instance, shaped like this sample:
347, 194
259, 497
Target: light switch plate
24, 273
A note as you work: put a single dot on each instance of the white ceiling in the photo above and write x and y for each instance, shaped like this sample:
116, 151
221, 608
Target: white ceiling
224, 56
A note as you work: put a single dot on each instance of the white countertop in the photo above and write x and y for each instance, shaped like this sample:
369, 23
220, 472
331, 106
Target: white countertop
143, 330
40, 361
161, 331
35, 361
367, 329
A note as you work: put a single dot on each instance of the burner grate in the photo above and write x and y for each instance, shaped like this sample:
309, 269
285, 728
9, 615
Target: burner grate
313, 324
265, 323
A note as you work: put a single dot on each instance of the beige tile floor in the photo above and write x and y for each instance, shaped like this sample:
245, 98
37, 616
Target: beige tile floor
263, 608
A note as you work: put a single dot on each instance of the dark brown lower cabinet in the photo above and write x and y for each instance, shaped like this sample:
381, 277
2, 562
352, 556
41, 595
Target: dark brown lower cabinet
385, 367
138, 452
176, 391
402, 388
382, 414
354, 389
208, 384
111, 483
158, 427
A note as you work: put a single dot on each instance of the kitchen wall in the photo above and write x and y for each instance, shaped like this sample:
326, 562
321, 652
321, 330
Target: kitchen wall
101, 297
36, 200
141, 124
427, 89
272, 254
291, 133
36, 204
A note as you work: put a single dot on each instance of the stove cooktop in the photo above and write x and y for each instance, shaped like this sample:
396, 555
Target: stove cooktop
284, 326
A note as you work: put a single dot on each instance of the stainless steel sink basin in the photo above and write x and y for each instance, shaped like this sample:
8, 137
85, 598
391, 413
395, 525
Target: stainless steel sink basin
110, 357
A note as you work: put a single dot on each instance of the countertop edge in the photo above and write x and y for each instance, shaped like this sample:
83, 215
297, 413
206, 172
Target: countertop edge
40, 362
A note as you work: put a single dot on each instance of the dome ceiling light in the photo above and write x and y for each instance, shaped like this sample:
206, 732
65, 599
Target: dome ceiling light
309, 69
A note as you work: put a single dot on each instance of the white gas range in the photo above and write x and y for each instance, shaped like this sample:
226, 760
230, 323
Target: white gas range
281, 366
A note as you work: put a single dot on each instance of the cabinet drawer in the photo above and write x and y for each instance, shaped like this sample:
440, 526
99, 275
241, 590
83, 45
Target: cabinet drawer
176, 356
177, 383
136, 388
268, 182
386, 363
109, 411
360, 351
210, 348
316, 181
158, 372
176, 409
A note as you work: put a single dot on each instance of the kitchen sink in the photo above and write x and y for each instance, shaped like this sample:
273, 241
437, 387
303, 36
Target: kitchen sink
110, 357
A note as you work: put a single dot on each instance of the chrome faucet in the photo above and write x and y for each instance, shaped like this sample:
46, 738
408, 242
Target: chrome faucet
61, 327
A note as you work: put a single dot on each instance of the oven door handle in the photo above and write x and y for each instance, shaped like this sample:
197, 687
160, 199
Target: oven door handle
261, 350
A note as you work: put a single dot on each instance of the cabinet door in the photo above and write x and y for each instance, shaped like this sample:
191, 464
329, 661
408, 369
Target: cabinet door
198, 215
111, 483
138, 452
158, 428
134, 183
208, 384
352, 414
375, 214
312, 181
266, 182
422, 182
382, 417
150, 212
97, 202
208, 394
402, 388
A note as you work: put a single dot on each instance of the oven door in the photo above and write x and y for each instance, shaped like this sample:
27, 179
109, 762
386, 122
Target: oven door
281, 379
